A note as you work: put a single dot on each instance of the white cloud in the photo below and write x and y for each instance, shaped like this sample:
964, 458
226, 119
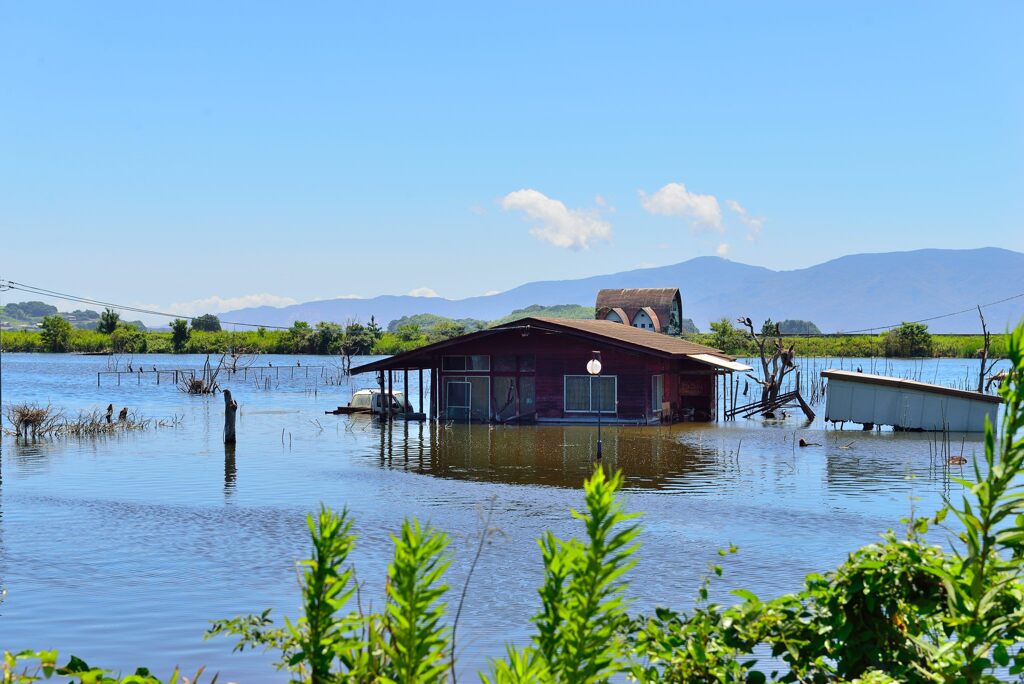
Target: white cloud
557, 224
491, 292
217, 304
754, 224
423, 292
675, 200
722, 250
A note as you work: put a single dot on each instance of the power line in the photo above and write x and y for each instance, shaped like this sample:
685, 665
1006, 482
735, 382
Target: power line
42, 292
935, 318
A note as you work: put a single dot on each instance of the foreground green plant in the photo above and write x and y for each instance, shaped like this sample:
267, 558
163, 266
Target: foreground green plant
32, 666
582, 608
405, 643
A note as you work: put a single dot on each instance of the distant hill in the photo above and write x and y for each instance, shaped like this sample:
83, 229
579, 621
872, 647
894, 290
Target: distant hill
28, 316
576, 311
849, 293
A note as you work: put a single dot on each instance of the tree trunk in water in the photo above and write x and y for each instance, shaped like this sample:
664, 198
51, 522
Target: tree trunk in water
230, 409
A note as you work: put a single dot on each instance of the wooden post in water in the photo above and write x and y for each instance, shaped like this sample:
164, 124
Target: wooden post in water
421, 393
230, 409
405, 386
380, 381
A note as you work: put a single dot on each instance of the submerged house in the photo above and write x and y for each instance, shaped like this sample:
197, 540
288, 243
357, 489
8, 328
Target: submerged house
535, 370
649, 308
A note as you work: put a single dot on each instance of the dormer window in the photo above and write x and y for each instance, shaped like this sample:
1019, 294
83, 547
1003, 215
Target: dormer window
642, 320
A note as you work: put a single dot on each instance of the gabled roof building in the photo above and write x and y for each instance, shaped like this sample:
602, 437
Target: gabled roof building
649, 308
535, 369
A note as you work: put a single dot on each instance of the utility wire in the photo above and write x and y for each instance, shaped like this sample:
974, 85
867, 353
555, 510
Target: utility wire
30, 289
935, 318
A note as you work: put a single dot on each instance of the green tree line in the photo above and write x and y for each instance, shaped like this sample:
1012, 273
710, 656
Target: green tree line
203, 335
909, 340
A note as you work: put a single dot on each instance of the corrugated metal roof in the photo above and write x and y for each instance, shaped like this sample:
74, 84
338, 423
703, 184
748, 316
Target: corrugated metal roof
887, 381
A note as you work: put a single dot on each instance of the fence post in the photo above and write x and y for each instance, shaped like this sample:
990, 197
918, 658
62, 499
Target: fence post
230, 409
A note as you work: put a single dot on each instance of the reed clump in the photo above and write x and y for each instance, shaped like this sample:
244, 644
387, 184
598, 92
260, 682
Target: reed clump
32, 421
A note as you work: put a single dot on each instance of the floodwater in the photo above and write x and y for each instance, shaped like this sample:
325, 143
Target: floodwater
119, 550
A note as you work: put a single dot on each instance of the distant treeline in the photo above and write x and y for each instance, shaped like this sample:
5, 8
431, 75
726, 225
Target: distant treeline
28, 315
910, 340
204, 335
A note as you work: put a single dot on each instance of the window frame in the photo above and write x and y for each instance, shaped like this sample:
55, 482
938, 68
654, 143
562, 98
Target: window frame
590, 394
465, 363
447, 393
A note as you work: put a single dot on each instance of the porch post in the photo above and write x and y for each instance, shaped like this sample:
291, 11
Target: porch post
391, 387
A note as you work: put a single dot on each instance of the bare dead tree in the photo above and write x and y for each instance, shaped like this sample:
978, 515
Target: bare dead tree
986, 365
776, 360
207, 382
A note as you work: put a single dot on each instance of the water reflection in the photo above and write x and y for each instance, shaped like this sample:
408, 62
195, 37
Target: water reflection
559, 456
230, 471
682, 458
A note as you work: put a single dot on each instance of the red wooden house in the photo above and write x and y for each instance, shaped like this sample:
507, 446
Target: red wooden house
535, 369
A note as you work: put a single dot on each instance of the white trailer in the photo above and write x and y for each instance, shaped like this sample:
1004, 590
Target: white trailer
905, 404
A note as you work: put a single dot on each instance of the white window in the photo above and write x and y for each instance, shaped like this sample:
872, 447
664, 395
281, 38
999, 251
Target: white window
642, 320
589, 394
614, 317
657, 392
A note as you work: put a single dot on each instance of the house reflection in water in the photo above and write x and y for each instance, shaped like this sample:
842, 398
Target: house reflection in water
681, 458
552, 455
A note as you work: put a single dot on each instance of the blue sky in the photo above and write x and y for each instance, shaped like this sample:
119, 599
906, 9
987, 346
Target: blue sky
164, 154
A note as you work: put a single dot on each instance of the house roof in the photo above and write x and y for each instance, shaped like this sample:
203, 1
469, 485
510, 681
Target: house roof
637, 337
657, 300
637, 297
900, 383
617, 334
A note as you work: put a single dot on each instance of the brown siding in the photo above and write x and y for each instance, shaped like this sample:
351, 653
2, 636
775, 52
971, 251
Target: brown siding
688, 384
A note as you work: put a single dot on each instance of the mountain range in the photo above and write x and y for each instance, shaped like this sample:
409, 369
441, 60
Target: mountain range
850, 293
